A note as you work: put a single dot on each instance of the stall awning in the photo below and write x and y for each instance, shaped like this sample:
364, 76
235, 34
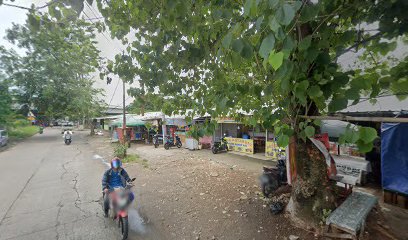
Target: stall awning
130, 122
227, 120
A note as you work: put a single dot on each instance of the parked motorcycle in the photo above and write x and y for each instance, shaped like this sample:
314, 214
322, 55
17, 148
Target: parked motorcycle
170, 142
67, 139
273, 177
118, 207
220, 146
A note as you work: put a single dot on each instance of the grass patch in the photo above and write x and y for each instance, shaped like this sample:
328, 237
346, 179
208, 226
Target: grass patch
21, 132
131, 158
134, 158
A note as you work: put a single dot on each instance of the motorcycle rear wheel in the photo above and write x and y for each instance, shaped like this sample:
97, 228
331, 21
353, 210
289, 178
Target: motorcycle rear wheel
166, 146
214, 150
124, 224
179, 145
156, 145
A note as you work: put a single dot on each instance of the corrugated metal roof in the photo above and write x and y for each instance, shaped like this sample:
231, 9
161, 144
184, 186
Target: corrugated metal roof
383, 104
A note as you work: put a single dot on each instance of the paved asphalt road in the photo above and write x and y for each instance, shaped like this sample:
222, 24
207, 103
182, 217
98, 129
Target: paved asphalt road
49, 190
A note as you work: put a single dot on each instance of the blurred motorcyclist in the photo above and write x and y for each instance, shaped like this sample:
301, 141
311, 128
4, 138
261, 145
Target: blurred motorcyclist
114, 177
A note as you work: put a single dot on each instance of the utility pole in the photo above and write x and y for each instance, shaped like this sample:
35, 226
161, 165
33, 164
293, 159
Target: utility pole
124, 115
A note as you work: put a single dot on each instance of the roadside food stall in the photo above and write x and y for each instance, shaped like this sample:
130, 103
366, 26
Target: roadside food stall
155, 120
350, 163
205, 141
237, 135
135, 128
247, 139
176, 125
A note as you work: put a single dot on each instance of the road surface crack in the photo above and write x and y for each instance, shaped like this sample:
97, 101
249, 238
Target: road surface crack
57, 222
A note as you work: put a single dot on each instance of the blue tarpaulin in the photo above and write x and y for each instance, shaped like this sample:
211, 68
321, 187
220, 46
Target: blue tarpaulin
394, 157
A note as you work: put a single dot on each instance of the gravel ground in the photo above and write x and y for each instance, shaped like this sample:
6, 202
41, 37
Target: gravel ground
183, 194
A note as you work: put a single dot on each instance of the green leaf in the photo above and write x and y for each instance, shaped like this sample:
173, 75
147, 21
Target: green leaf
247, 7
276, 59
305, 43
285, 14
309, 131
277, 130
317, 122
350, 135
267, 45
237, 45
341, 78
288, 44
315, 91
300, 91
251, 7
297, 5
273, 24
283, 140
309, 12
226, 42
338, 103
364, 147
353, 93
259, 22
367, 134
247, 52
273, 3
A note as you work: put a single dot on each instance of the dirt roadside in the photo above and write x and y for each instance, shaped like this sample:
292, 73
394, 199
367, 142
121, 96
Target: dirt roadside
197, 195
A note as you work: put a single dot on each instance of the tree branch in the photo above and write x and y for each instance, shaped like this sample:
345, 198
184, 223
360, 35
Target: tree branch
27, 8
16, 6
47, 4
377, 35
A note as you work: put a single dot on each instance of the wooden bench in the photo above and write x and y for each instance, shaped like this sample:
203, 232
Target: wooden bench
350, 216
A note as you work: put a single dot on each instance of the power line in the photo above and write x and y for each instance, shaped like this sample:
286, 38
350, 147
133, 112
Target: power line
91, 8
96, 16
114, 92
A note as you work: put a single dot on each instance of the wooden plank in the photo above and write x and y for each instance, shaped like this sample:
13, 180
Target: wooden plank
359, 119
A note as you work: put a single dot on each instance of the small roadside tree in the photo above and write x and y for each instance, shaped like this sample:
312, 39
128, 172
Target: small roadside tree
54, 74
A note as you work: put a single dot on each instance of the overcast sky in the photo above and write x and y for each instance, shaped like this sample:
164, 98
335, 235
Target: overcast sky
108, 47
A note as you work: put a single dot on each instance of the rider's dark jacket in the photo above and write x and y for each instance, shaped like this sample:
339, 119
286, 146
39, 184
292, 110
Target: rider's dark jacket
107, 177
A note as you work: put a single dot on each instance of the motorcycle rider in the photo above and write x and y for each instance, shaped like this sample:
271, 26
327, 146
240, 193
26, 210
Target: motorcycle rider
114, 177
67, 132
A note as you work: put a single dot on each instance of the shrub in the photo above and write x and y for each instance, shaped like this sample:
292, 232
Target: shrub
120, 150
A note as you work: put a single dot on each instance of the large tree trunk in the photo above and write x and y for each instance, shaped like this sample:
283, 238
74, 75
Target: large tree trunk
93, 126
312, 193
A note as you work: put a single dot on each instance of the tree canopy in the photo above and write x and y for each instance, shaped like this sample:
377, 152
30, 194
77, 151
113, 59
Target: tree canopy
279, 58
54, 74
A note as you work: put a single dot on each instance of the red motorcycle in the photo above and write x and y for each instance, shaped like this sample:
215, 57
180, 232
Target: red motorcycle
119, 204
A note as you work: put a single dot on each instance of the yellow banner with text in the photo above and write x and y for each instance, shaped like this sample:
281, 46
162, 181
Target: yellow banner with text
241, 145
273, 151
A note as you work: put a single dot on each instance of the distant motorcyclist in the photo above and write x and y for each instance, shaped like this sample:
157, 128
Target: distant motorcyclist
67, 133
114, 177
